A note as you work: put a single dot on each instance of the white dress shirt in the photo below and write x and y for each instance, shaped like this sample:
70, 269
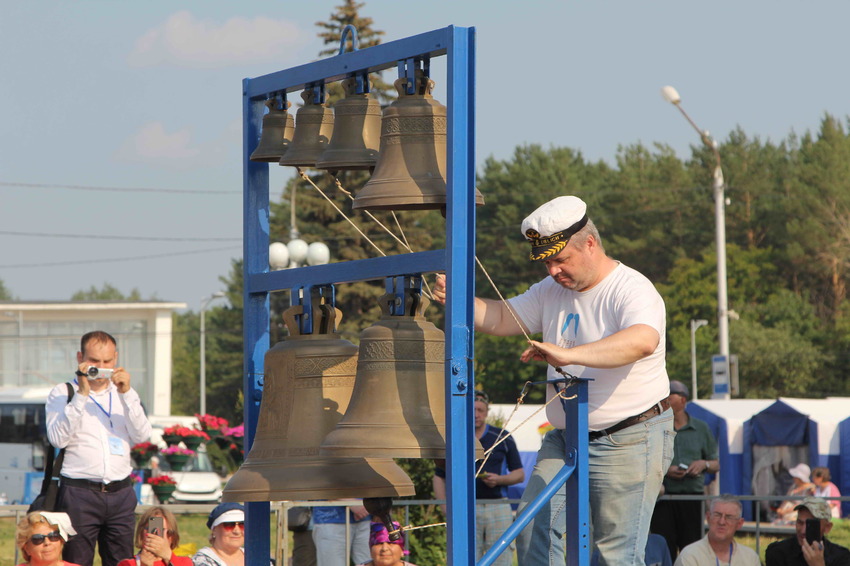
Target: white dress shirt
97, 431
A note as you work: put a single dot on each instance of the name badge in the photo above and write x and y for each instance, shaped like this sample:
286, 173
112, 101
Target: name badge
116, 447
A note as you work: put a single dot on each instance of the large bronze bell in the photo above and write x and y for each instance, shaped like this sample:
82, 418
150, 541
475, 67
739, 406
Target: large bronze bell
314, 123
278, 127
411, 169
397, 409
308, 384
357, 132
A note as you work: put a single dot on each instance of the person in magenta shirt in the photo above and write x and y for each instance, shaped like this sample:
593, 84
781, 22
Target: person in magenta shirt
157, 549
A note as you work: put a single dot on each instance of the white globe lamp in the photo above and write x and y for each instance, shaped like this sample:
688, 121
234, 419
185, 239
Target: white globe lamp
297, 251
278, 256
318, 254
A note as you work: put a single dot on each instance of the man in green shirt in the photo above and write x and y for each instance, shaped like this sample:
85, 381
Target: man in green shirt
694, 455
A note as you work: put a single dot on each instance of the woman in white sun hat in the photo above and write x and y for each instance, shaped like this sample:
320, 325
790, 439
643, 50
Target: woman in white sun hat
803, 486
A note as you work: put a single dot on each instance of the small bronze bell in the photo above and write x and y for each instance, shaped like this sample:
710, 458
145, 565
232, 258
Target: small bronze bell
411, 169
314, 123
278, 127
308, 384
397, 409
357, 132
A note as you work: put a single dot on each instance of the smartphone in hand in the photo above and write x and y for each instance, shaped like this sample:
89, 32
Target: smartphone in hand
156, 526
813, 532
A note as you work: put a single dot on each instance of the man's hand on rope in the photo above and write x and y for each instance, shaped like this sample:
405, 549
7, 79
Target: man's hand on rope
439, 291
546, 352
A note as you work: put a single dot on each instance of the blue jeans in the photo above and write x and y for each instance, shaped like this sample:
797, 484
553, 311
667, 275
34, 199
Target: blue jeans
491, 522
330, 543
626, 470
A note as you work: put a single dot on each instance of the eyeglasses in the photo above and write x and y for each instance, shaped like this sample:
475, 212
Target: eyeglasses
232, 525
729, 518
39, 539
481, 396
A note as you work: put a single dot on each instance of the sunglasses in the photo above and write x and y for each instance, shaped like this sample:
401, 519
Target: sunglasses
39, 539
481, 396
229, 526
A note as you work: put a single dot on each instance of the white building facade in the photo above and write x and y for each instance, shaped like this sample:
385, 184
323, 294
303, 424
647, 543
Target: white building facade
39, 343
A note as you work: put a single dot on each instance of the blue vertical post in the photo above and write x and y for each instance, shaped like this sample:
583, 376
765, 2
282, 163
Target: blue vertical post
255, 254
577, 486
460, 247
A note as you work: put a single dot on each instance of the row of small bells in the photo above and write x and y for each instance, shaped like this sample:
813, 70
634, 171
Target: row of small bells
405, 146
333, 415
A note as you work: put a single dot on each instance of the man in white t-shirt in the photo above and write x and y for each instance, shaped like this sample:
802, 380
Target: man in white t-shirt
604, 321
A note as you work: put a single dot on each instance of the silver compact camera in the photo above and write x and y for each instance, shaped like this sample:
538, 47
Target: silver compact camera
99, 373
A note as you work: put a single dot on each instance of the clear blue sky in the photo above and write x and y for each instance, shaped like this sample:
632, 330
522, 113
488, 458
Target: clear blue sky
126, 95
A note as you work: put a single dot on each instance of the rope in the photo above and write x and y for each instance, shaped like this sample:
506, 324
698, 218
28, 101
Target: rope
309, 180
347, 193
516, 319
500, 439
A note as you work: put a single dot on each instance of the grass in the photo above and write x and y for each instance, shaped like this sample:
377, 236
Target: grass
193, 536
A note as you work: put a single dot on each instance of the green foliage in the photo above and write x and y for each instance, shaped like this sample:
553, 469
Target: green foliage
788, 253
348, 13
5, 293
107, 293
427, 546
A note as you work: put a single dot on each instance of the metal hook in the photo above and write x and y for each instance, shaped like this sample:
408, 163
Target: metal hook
355, 43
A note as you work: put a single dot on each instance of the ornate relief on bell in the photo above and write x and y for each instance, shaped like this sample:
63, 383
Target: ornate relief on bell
411, 169
308, 383
397, 409
278, 127
314, 123
357, 131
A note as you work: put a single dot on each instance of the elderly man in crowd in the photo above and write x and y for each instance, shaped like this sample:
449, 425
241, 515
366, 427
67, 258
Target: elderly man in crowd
719, 545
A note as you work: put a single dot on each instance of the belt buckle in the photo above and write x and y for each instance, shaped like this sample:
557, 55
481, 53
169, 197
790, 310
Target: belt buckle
104, 488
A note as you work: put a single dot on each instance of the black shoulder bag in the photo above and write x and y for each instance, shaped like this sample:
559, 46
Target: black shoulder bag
46, 499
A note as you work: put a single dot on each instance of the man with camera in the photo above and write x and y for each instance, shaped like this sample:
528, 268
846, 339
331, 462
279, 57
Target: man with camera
97, 428
809, 546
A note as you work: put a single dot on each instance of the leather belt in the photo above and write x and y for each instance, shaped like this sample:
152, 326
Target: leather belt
110, 487
656, 409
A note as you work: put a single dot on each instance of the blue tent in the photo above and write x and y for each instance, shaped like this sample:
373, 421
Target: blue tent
754, 433
726, 420
775, 440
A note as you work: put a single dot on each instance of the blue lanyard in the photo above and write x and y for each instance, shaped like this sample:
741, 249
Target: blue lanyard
717, 560
109, 414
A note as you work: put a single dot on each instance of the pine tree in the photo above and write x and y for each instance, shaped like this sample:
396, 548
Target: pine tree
318, 220
348, 14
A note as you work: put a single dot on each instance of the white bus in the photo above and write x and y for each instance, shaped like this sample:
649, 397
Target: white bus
23, 443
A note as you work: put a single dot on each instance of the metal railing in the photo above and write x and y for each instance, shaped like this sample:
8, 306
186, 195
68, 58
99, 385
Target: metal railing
759, 527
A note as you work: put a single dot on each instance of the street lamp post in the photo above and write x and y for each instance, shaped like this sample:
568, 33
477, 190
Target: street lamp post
206, 301
670, 95
296, 252
695, 324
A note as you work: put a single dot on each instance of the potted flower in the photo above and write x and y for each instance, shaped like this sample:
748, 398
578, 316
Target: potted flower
171, 435
211, 424
177, 456
163, 487
142, 453
191, 437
